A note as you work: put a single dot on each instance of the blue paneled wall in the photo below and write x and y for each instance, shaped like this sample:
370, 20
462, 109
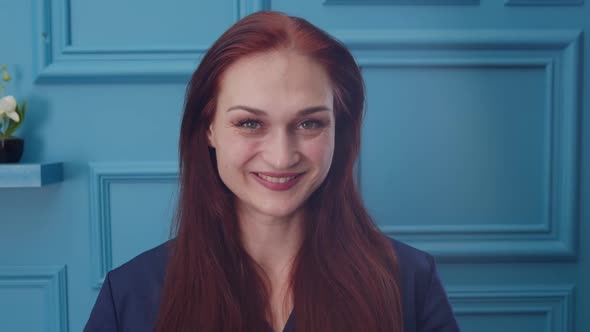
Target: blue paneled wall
475, 144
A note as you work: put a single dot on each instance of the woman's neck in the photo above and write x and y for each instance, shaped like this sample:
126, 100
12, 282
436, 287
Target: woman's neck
272, 242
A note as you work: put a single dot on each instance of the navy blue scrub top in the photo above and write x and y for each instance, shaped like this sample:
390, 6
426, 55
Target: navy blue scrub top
130, 295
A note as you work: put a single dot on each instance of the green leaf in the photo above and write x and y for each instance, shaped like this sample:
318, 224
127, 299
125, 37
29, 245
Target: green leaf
13, 126
22, 110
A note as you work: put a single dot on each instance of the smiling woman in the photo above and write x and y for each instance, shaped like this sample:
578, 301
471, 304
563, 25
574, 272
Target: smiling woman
283, 139
271, 233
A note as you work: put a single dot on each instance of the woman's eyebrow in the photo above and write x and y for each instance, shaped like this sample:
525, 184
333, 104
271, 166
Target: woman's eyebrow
259, 112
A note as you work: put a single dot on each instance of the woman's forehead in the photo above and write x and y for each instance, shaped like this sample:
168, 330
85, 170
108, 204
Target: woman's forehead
276, 79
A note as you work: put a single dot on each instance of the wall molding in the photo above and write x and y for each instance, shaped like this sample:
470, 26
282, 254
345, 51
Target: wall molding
247, 7
401, 2
544, 3
557, 52
450, 39
555, 303
52, 280
58, 61
102, 176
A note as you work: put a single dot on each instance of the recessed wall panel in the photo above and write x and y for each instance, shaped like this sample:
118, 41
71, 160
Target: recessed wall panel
514, 308
469, 141
147, 24
132, 204
509, 321
18, 304
128, 41
140, 217
475, 138
33, 298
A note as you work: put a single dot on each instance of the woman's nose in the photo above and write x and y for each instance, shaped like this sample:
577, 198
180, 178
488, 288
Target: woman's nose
281, 150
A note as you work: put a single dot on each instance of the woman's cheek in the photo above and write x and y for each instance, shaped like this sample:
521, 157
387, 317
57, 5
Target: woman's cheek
321, 149
240, 150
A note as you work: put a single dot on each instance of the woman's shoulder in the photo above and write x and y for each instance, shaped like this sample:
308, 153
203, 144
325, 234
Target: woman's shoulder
425, 302
418, 271
150, 266
412, 259
138, 282
130, 295
417, 268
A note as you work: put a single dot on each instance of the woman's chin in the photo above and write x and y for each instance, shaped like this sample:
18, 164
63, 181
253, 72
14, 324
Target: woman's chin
280, 213
277, 210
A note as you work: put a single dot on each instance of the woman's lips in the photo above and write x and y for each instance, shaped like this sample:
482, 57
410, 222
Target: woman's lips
277, 181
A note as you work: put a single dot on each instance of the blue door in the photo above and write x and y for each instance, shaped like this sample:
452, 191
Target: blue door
475, 145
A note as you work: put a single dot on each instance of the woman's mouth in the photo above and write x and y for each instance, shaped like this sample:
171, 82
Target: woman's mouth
278, 182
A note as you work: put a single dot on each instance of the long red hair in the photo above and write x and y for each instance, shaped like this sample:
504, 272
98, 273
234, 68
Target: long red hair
345, 275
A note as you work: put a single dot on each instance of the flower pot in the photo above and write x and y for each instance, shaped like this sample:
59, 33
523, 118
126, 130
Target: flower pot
11, 149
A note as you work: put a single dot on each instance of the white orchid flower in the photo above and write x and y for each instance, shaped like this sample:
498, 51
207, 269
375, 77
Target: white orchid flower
8, 107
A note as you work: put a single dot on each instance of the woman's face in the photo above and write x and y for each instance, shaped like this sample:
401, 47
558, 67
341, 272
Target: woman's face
273, 131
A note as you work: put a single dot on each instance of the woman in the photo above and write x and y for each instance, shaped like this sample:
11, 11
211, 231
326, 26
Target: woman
271, 233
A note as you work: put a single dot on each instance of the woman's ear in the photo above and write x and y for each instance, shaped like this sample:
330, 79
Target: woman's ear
211, 136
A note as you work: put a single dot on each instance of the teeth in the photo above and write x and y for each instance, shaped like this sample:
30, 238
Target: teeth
275, 180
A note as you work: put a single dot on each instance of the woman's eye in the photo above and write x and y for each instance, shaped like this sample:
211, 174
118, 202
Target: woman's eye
311, 124
249, 124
